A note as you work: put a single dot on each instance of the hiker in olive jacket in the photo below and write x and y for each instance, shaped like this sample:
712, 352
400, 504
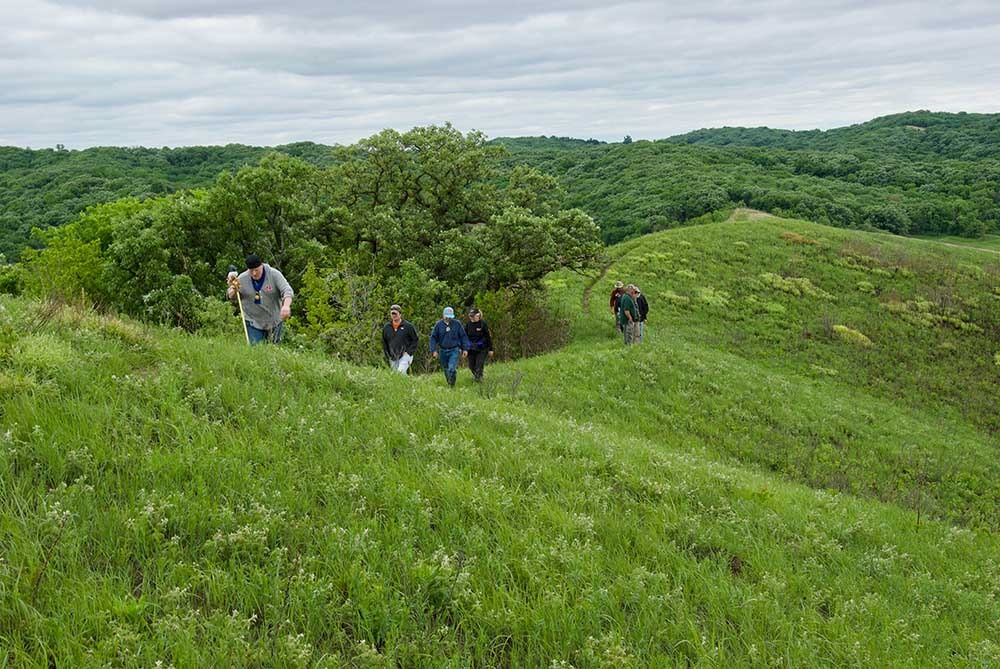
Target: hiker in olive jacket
628, 315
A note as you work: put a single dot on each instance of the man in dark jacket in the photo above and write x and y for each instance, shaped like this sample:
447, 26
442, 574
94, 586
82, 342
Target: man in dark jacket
399, 340
643, 306
480, 343
448, 341
616, 296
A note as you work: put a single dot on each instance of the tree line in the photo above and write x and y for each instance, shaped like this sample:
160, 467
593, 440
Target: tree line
422, 218
917, 173
911, 173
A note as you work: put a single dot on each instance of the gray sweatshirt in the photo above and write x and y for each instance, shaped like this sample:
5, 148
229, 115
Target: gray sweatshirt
267, 314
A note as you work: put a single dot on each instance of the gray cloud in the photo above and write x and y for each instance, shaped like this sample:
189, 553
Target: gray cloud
81, 72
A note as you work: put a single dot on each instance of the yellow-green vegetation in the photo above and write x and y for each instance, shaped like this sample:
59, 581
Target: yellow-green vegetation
852, 336
741, 489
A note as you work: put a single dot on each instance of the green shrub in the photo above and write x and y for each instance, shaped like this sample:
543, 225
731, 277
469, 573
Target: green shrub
852, 336
11, 281
797, 286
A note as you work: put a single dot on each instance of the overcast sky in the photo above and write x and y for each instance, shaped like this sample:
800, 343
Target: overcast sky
160, 73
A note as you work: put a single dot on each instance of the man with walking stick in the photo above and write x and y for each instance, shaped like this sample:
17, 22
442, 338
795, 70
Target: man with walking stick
265, 300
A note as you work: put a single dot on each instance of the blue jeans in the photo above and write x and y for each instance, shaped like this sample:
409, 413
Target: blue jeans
257, 335
448, 357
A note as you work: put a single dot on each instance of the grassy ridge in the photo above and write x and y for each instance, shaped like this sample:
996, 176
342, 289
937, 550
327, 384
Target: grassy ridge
179, 499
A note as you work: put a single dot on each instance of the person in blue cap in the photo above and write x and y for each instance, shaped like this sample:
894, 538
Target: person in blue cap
448, 341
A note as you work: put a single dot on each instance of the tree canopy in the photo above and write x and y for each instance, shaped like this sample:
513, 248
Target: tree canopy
418, 218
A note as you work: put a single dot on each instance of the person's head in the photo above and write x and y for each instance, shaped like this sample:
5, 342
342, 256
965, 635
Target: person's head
475, 315
395, 313
255, 265
619, 286
448, 313
637, 291
630, 289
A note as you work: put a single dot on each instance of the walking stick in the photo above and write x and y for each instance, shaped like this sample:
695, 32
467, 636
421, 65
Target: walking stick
239, 300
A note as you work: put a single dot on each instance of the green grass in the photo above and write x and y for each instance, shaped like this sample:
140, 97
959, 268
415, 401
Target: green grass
989, 242
707, 498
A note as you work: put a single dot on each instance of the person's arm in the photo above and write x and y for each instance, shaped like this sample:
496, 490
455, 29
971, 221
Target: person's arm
463, 340
433, 341
412, 340
281, 283
489, 338
233, 287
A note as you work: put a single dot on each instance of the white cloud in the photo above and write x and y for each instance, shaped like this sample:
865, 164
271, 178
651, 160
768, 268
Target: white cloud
81, 72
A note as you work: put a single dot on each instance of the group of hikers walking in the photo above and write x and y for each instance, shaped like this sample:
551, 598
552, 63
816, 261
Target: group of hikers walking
449, 341
630, 309
265, 300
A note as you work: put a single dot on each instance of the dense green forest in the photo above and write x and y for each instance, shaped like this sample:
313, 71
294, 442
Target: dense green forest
913, 173
49, 187
913, 135
423, 219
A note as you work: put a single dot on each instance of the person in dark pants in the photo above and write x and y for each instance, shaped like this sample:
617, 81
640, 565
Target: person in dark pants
628, 315
643, 306
480, 343
616, 296
448, 341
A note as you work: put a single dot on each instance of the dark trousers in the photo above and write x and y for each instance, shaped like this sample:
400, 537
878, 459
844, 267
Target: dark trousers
477, 360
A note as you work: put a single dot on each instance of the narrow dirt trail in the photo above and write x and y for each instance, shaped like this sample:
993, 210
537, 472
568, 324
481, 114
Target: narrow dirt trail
585, 299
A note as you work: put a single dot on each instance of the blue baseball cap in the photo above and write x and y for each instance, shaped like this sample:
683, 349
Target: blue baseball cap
449, 312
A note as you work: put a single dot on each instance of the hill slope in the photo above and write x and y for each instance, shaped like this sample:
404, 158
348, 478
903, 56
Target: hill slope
911, 135
180, 499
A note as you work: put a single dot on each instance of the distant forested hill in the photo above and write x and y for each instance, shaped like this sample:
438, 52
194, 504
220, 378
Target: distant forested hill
914, 135
912, 173
48, 187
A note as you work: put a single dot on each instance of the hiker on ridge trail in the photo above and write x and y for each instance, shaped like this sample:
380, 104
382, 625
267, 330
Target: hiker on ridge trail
628, 315
616, 296
643, 306
481, 343
399, 340
266, 299
448, 342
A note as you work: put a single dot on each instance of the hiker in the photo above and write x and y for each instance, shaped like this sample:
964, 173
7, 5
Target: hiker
616, 296
643, 306
628, 315
480, 343
448, 341
266, 298
399, 340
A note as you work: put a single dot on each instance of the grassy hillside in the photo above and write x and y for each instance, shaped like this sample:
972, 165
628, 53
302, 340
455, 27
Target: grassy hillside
730, 493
